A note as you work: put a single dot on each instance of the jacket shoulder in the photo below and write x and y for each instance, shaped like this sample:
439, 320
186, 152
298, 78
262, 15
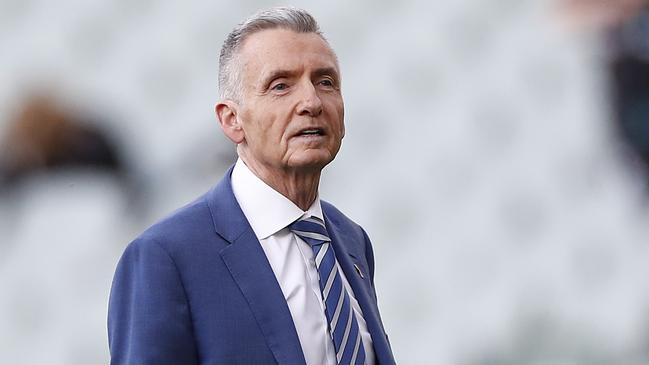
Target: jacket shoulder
352, 230
189, 223
339, 218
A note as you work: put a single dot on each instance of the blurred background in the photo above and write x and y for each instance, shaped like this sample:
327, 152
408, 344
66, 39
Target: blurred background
495, 152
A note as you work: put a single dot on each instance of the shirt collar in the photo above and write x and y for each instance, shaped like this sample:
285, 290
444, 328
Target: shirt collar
266, 209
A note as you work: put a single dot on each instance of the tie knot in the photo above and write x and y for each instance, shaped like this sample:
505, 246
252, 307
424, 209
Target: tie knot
312, 230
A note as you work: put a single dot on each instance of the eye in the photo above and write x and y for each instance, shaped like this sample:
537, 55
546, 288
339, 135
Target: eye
326, 82
280, 86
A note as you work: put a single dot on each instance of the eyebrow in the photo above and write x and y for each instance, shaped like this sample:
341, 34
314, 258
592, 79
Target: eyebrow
275, 74
330, 71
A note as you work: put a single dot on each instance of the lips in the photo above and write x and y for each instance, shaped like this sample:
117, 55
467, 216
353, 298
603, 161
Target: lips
312, 131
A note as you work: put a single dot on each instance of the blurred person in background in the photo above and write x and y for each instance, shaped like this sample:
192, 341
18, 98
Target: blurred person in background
625, 26
258, 270
629, 66
45, 137
62, 185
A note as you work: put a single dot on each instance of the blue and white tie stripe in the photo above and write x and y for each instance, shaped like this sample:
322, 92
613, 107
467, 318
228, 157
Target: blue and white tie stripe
343, 324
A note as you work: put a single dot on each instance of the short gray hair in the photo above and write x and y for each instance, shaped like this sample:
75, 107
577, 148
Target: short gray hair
290, 18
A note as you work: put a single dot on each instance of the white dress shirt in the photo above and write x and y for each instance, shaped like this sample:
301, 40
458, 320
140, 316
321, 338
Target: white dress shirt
269, 213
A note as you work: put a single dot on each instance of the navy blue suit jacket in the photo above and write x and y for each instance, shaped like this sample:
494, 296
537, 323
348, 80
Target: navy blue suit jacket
196, 288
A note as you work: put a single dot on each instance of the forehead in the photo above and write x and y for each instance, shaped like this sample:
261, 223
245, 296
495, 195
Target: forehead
273, 49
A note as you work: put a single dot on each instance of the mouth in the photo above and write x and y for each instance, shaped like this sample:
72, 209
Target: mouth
311, 132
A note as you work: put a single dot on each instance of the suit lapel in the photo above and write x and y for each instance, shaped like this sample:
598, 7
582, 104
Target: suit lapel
249, 267
361, 287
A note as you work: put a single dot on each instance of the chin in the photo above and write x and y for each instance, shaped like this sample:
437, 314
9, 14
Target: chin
311, 161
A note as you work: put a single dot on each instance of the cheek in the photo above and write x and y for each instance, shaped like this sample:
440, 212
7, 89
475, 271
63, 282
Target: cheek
273, 119
256, 126
338, 118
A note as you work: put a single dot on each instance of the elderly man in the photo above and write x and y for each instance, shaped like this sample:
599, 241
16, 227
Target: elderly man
258, 270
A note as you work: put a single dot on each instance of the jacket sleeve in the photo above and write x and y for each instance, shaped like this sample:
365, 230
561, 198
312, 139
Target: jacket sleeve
149, 321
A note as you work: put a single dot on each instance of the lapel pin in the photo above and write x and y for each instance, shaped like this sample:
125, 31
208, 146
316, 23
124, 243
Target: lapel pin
358, 269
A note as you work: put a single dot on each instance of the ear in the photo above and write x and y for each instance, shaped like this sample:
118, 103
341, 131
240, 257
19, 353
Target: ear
226, 112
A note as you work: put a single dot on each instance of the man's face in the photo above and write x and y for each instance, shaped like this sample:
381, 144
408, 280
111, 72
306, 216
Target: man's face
292, 109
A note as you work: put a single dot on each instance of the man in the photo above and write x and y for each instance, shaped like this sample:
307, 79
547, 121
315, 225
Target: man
258, 270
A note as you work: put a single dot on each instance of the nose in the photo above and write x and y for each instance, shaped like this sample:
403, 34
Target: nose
310, 103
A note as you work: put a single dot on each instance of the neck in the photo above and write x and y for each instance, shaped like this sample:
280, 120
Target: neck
299, 186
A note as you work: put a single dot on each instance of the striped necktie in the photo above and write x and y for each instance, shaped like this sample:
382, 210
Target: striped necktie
343, 324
